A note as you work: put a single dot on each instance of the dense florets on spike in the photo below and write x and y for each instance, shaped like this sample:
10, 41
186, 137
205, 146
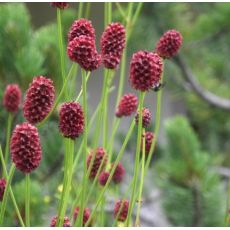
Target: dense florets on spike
2, 188
169, 44
148, 141
86, 214
103, 177
119, 173
145, 70
112, 45
146, 117
81, 27
60, 5
12, 98
127, 105
121, 210
25, 147
83, 51
99, 157
39, 99
66, 222
71, 120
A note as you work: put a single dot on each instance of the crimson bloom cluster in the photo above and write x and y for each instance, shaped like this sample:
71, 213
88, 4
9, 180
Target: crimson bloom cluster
146, 70
82, 45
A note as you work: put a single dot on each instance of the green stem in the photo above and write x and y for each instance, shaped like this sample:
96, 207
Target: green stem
134, 19
64, 179
137, 159
109, 12
111, 141
80, 9
105, 112
137, 223
6, 192
100, 114
60, 42
227, 215
85, 136
157, 127
102, 216
72, 69
9, 125
68, 172
27, 200
87, 12
120, 154
11, 191
80, 93
122, 12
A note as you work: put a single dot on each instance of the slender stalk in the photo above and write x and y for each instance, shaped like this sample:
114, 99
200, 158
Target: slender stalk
227, 215
27, 200
111, 141
80, 9
60, 42
137, 159
64, 179
72, 69
85, 136
157, 127
68, 172
120, 154
9, 125
5, 196
134, 19
11, 191
139, 202
80, 93
110, 6
118, 213
100, 114
105, 112
102, 216
87, 12
121, 11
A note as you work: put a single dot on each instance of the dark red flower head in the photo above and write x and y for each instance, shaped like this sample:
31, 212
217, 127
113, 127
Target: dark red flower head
66, 222
146, 117
12, 98
83, 51
25, 147
2, 188
81, 27
169, 44
104, 176
121, 210
60, 5
148, 141
71, 120
39, 99
86, 214
119, 173
127, 105
112, 45
97, 156
145, 70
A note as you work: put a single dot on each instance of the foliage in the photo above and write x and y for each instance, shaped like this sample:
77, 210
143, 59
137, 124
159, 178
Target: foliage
192, 192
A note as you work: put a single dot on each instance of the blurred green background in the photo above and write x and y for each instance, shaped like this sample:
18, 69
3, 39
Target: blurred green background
192, 164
